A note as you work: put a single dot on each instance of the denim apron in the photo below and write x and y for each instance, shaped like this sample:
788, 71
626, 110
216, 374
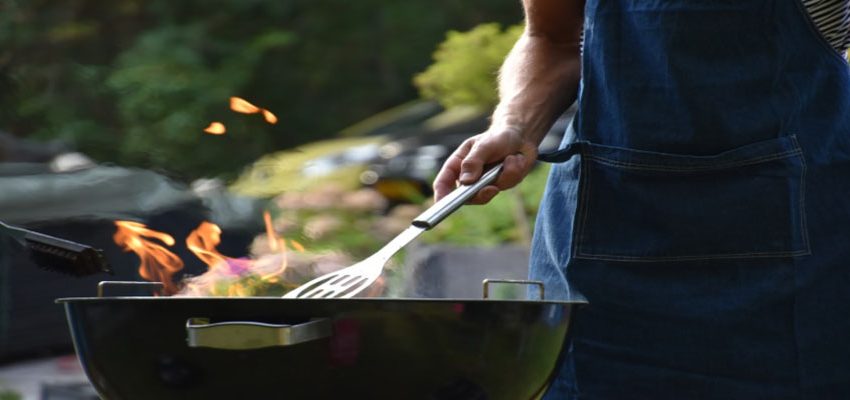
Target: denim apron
701, 204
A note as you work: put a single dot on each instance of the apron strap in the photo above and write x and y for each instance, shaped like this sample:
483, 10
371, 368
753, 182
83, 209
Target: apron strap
562, 155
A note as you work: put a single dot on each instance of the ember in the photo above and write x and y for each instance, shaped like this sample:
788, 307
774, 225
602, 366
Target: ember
241, 105
269, 117
215, 128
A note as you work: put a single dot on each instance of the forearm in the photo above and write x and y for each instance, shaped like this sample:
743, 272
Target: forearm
537, 82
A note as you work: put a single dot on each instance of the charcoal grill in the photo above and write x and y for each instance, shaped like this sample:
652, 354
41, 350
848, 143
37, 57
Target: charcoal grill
146, 347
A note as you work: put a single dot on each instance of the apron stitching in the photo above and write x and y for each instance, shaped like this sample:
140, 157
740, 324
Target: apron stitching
584, 209
731, 164
612, 257
803, 222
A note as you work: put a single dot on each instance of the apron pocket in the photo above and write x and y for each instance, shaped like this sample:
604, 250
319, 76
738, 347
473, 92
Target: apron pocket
645, 206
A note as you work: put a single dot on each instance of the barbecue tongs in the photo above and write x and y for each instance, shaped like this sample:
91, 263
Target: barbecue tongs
349, 281
55, 254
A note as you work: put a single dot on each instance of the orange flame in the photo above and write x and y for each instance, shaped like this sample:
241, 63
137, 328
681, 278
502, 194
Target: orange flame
270, 235
270, 118
202, 242
225, 275
224, 270
275, 244
158, 264
241, 105
297, 246
215, 128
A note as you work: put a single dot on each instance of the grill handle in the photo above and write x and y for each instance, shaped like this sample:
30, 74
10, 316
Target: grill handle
486, 283
246, 335
103, 285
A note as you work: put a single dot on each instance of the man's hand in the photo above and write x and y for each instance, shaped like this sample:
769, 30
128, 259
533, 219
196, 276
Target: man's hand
537, 82
470, 159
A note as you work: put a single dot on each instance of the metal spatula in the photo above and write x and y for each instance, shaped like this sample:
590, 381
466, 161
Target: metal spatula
349, 281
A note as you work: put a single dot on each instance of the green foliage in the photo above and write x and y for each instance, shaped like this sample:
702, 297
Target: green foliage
168, 94
466, 66
360, 233
134, 82
9, 395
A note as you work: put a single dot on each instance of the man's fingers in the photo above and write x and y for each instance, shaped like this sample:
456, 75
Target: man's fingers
448, 176
480, 154
467, 164
446, 180
470, 170
484, 195
513, 171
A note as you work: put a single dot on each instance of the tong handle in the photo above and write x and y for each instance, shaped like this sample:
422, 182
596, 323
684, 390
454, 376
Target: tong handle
25, 236
57, 254
452, 201
18, 234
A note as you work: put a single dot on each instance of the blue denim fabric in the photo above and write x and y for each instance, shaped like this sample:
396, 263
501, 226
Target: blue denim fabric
702, 206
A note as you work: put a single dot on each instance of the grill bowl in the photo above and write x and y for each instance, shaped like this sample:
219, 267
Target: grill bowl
435, 349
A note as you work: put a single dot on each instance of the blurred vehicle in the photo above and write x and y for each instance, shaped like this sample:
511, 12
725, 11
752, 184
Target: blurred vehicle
21, 150
405, 168
340, 160
306, 167
397, 152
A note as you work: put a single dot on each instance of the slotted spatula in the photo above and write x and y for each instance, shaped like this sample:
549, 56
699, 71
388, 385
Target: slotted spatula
349, 281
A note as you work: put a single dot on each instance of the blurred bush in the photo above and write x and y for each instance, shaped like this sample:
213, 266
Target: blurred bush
466, 66
330, 218
9, 395
135, 81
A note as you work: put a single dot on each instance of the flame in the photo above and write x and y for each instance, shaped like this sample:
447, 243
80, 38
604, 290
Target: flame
158, 264
202, 242
270, 118
215, 128
225, 276
241, 105
270, 235
275, 244
297, 246
240, 275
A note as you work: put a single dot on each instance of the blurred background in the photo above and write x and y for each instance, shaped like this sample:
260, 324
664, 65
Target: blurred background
312, 127
134, 82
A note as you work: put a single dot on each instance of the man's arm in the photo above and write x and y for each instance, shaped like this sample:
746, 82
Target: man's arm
537, 82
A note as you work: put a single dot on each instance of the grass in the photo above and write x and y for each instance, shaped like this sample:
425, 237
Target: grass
9, 395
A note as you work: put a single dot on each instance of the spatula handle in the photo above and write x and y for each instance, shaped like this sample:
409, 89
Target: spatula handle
452, 201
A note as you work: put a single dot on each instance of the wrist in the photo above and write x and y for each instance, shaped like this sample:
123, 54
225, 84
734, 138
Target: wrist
517, 129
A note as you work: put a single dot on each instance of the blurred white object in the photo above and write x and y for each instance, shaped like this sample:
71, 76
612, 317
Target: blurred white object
68, 162
204, 186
